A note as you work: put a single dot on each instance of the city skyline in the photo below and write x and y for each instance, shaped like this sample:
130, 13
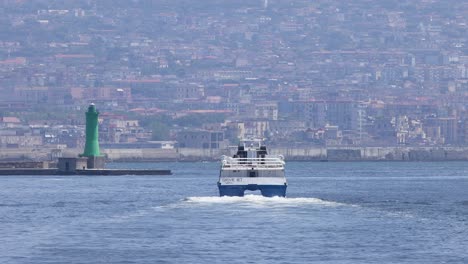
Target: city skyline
327, 73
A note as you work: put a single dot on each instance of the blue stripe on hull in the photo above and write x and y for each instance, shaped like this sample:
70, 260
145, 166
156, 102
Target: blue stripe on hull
266, 190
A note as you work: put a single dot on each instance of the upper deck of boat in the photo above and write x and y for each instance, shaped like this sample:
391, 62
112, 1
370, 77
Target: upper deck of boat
252, 155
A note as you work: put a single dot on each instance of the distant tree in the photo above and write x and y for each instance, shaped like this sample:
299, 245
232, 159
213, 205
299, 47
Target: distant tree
160, 131
180, 73
68, 99
197, 120
148, 121
98, 46
336, 40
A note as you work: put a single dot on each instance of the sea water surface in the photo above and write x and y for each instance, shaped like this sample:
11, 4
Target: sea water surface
335, 213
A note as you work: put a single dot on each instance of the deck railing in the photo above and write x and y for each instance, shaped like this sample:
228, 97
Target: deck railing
271, 162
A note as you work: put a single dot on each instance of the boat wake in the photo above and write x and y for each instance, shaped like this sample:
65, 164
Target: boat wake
258, 200
248, 201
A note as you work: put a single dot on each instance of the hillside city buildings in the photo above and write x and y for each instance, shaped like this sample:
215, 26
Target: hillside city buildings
203, 75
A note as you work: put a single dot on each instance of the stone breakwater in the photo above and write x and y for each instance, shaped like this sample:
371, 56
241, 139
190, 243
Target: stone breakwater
305, 154
91, 172
300, 154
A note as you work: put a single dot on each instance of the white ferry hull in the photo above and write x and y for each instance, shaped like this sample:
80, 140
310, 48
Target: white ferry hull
239, 190
236, 186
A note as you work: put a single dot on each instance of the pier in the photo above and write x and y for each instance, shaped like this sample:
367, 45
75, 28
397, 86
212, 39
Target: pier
89, 163
87, 172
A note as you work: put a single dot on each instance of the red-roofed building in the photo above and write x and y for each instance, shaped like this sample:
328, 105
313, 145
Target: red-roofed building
10, 120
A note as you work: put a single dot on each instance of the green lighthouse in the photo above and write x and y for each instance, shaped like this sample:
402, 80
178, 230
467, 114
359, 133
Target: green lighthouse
92, 141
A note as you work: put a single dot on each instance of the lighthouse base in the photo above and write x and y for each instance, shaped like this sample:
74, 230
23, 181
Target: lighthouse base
80, 163
98, 162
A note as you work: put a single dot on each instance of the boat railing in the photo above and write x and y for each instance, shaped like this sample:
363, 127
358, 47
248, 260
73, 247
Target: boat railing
273, 162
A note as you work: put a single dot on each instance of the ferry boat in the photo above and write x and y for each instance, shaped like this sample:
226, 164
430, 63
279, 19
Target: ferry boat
252, 168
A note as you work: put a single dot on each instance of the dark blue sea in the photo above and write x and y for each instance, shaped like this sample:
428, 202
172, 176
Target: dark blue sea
335, 213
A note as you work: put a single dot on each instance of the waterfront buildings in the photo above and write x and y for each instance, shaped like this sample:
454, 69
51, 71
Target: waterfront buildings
354, 73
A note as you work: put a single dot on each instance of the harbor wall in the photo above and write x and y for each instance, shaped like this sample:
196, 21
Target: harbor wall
304, 154
307, 154
92, 172
299, 154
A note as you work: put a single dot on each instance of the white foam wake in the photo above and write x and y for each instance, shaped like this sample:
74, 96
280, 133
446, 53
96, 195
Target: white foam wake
260, 200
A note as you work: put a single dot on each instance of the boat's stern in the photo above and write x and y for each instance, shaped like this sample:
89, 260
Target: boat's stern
239, 190
236, 183
252, 169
